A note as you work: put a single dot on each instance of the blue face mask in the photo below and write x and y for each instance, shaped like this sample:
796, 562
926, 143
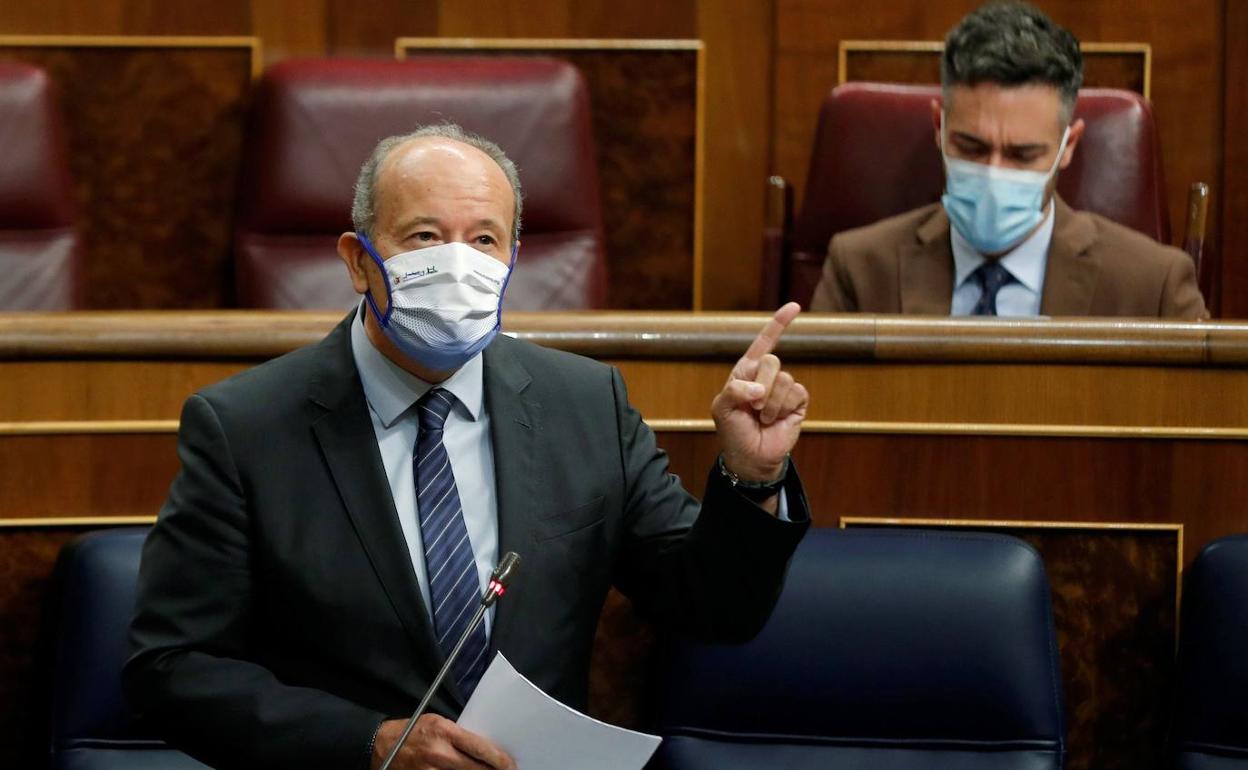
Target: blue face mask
444, 303
994, 208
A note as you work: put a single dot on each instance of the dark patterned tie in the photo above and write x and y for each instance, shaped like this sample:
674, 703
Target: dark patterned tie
452, 571
991, 277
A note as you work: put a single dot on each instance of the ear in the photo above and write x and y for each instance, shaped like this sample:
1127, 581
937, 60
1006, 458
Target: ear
936, 120
1076, 133
357, 260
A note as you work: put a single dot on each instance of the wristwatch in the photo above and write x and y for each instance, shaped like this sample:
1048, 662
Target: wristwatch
756, 491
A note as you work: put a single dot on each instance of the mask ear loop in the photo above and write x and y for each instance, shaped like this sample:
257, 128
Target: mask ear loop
511, 268
1061, 150
368, 295
944, 156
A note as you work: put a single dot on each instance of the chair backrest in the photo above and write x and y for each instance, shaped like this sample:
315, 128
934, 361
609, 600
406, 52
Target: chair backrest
316, 121
875, 156
1211, 717
903, 649
40, 252
92, 729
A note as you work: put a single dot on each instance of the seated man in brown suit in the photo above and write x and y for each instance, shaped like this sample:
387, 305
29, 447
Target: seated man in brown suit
1010, 78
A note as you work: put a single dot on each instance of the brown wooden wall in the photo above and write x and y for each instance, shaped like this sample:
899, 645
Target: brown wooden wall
736, 32
1124, 444
768, 64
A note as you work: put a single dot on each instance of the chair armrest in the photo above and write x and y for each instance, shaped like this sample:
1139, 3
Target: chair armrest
1195, 222
773, 282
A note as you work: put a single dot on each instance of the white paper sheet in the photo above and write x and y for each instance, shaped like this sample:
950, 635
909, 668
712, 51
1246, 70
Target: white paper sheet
540, 733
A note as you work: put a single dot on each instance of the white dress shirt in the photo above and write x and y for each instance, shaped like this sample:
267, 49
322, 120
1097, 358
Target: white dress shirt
1026, 262
391, 393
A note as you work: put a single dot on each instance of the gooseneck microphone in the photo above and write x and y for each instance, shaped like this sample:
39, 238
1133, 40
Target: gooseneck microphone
501, 578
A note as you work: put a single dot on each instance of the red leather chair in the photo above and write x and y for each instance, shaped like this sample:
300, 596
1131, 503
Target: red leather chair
315, 122
875, 156
40, 252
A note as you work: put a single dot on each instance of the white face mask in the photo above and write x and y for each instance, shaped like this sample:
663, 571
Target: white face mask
445, 302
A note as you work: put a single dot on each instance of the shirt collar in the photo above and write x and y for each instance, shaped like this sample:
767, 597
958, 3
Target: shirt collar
1026, 262
391, 390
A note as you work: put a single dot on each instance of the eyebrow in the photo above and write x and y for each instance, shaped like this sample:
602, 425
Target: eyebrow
428, 220
1033, 146
418, 221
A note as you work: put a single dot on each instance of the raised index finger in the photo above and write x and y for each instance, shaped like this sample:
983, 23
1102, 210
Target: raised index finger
766, 340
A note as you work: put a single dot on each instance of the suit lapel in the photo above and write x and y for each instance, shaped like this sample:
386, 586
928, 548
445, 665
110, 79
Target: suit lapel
925, 268
515, 425
345, 434
1071, 273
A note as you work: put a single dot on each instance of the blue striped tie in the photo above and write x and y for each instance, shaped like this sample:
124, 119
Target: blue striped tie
992, 277
452, 571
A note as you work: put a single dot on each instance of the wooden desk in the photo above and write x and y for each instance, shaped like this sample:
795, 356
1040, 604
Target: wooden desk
1074, 421
1086, 421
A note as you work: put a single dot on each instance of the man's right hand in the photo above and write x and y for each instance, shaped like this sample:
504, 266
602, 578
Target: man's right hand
437, 743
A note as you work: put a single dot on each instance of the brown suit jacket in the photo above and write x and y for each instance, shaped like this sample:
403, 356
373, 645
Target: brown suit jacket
1096, 267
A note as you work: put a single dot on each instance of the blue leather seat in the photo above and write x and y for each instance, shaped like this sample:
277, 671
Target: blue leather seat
1211, 717
91, 727
900, 649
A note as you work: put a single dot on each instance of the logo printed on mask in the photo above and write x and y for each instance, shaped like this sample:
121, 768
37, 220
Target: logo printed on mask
444, 303
431, 270
994, 208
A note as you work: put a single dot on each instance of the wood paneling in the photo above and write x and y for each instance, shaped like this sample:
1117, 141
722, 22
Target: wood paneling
1230, 268
567, 18
739, 49
291, 28
161, 17
156, 189
85, 475
1163, 400
370, 30
1083, 421
126, 17
645, 106
737, 111
771, 63
1113, 65
644, 99
1199, 484
821, 337
63, 17
736, 33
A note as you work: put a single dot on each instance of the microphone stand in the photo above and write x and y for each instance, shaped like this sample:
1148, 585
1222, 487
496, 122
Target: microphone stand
498, 585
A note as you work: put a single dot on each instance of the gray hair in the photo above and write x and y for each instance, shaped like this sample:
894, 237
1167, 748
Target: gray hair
1013, 44
364, 204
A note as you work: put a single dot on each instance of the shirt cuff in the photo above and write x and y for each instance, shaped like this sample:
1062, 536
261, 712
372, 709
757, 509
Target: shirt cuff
782, 506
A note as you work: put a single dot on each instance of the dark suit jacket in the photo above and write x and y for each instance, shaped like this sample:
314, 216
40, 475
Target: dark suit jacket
279, 619
1096, 267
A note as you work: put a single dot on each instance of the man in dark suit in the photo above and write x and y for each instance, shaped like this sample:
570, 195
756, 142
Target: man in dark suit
1001, 242
300, 588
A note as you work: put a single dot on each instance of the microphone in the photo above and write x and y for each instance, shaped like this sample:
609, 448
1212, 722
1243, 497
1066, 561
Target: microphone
500, 579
